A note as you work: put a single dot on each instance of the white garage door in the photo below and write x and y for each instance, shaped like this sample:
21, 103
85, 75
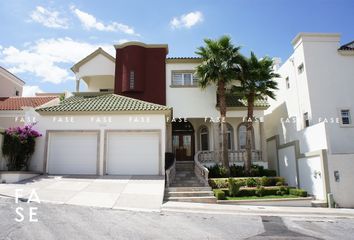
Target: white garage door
132, 153
72, 153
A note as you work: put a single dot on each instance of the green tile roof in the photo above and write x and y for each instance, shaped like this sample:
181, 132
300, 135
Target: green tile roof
103, 103
233, 100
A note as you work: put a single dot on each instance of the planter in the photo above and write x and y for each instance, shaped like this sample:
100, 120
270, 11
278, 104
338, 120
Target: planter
16, 176
289, 202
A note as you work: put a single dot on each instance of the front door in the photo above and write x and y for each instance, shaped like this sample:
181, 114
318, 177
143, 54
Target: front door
183, 146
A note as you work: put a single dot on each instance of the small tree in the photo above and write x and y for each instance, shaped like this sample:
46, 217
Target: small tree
219, 66
256, 84
18, 146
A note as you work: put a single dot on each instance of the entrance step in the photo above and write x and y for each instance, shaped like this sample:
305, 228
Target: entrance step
187, 189
193, 199
319, 203
190, 194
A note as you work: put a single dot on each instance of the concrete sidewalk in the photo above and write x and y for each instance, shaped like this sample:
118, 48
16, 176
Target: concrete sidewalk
257, 210
142, 193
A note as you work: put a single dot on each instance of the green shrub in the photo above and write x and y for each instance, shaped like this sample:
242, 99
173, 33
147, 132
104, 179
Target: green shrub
219, 194
265, 181
269, 173
298, 192
217, 171
260, 191
251, 182
234, 187
237, 171
282, 191
280, 182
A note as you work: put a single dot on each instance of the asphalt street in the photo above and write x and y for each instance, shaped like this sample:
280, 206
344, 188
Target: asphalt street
59, 221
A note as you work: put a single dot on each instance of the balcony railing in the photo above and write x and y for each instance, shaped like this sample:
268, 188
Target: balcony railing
234, 156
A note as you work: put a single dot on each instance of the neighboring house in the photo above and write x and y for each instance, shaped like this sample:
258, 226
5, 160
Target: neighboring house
309, 127
121, 124
10, 84
18, 111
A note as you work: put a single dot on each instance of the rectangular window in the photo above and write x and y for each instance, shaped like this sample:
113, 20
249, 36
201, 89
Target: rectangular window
287, 81
345, 116
184, 79
106, 90
131, 80
300, 68
17, 93
306, 119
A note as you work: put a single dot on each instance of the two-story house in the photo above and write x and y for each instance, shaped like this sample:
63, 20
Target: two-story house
129, 110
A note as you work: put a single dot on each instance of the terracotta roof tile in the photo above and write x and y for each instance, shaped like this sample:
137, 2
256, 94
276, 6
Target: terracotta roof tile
16, 103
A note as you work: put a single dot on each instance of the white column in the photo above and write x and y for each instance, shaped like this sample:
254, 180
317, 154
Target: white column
77, 82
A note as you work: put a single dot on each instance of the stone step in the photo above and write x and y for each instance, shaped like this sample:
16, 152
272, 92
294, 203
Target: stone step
187, 185
319, 203
181, 178
188, 181
187, 189
184, 168
208, 199
189, 194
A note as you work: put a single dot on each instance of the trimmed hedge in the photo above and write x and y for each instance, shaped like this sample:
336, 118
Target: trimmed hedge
250, 182
298, 192
218, 171
219, 194
249, 192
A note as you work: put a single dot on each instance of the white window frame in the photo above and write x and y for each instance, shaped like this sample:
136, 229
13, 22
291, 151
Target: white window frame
200, 137
341, 117
183, 73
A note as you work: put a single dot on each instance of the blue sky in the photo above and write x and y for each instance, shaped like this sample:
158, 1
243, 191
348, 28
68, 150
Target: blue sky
41, 40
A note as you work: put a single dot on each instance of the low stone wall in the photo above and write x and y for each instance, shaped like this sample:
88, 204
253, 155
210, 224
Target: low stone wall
289, 202
16, 176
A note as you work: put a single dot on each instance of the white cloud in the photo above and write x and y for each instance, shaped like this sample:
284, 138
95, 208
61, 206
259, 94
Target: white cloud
187, 20
30, 91
45, 58
121, 41
90, 22
47, 18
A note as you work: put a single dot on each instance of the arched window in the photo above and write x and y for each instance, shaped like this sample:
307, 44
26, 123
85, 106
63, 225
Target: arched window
230, 137
204, 138
242, 133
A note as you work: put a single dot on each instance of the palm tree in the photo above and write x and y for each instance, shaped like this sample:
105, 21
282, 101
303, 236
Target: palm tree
257, 83
219, 66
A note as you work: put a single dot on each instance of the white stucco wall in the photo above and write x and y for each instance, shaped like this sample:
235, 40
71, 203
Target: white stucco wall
98, 73
99, 122
322, 90
9, 84
312, 177
287, 165
342, 190
193, 102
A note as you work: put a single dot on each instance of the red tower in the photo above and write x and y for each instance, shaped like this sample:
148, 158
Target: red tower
141, 71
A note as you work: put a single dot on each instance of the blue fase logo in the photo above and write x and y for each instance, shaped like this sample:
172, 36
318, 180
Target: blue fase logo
32, 211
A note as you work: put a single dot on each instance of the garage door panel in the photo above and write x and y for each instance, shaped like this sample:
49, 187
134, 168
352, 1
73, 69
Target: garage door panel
133, 153
72, 153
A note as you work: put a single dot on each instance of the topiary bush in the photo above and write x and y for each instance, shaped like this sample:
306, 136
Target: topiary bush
298, 192
219, 194
251, 182
260, 191
18, 146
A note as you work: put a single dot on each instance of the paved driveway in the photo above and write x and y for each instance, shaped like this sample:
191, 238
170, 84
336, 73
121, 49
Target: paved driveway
118, 192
